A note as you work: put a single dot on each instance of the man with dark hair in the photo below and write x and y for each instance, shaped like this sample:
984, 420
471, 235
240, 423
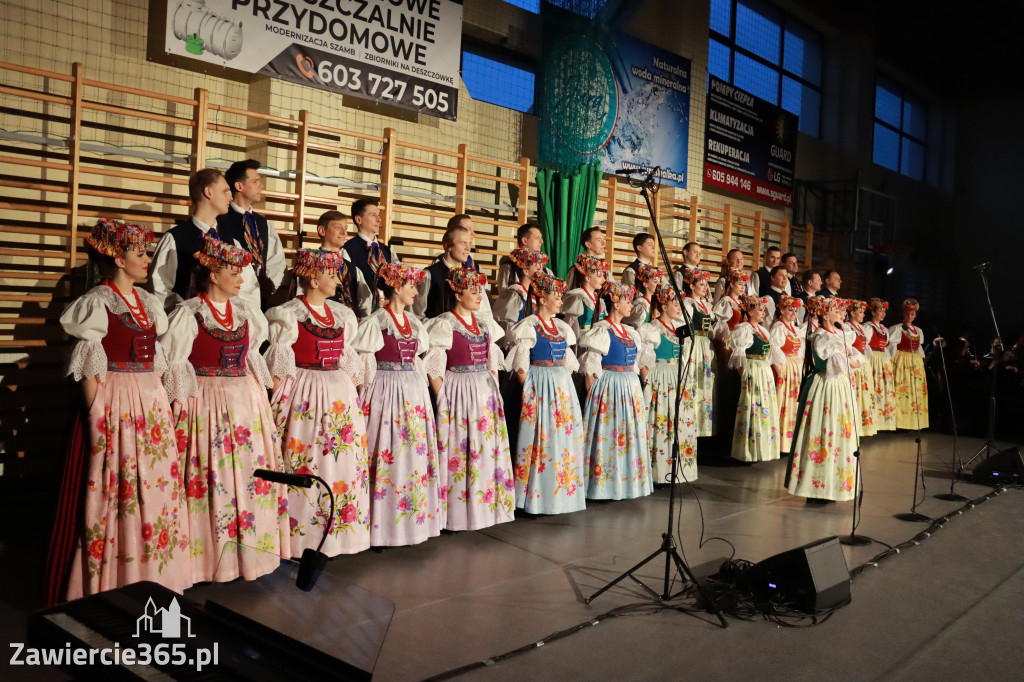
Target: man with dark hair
366, 253
646, 248
435, 296
762, 279
594, 244
245, 226
691, 261
831, 282
528, 236
174, 259
792, 265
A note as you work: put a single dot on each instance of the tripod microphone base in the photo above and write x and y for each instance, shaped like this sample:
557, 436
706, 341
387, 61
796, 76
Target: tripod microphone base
914, 517
951, 497
854, 540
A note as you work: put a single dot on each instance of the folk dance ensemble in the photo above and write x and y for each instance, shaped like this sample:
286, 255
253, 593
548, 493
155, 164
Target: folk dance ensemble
408, 498
472, 439
549, 463
316, 370
126, 518
662, 359
615, 416
217, 383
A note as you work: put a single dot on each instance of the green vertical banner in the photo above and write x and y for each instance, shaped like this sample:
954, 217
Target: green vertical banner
566, 204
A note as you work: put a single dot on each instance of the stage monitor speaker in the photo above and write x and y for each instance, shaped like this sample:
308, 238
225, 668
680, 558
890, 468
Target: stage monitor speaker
809, 579
1003, 467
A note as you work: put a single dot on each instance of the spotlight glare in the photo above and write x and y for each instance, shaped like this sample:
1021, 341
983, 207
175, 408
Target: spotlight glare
889, 271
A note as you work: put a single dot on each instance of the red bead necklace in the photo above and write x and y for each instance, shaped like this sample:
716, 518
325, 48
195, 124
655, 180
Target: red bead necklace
138, 311
326, 320
553, 329
618, 330
406, 329
472, 327
226, 320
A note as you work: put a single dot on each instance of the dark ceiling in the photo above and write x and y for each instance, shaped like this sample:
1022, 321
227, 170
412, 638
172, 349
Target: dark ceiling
966, 50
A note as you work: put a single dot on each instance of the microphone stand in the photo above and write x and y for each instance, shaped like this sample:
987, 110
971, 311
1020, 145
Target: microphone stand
853, 539
668, 542
952, 495
312, 563
913, 515
989, 446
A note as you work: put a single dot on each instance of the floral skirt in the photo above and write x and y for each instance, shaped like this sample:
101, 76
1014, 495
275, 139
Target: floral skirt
911, 390
863, 384
756, 436
238, 523
823, 464
323, 432
660, 398
617, 451
408, 499
703, 369
787, 389
549, 463
885, 391
134, 525
472, 442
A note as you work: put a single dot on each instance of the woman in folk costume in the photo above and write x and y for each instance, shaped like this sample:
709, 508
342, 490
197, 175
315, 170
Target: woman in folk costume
861, 377
823, 466
582, 306
648, 278
549, 463
316, 406
756, 435
789, 338
728, 311
217, 383
408, 496
472, 439
121, 517
703, 365
662, 362
617, 449
906, 346
881, 367
515, 302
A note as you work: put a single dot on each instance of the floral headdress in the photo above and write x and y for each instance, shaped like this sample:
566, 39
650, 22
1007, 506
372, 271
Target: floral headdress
816, 305
312, 262
648, 273
461, 278
875, 303
589, 265
749, 303
836, 304
693, 275
665, 294
617, 292
856, 305
113, 238
787, 302
544, 284
736, 275
396, 274
215, 254
911, 304
524, 257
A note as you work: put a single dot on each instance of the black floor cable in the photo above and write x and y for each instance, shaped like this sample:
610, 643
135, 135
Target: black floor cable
741, 606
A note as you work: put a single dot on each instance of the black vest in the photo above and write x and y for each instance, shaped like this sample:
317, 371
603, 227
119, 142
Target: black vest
358, 250
188, 239
440, 297
635, 267
232, 228
764, 281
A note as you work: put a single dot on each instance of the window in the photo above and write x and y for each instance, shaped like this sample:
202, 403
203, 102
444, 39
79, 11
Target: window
491, 79
769, 54
528, 5
901, 130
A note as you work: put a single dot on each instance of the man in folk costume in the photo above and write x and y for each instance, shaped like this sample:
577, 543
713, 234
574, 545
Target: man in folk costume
174, 259
367, 253
832, 282
762, 279
528, 236
243, 225
691, 261
792, 265
594, 244
435, 296
645, 247
779, 279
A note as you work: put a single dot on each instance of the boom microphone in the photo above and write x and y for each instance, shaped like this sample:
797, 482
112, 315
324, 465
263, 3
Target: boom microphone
983, 266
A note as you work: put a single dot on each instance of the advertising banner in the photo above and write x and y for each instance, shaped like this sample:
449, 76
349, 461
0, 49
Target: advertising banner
749, 145
400, 52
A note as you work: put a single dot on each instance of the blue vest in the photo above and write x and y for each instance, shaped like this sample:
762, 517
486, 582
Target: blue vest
621, 354
549, 351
